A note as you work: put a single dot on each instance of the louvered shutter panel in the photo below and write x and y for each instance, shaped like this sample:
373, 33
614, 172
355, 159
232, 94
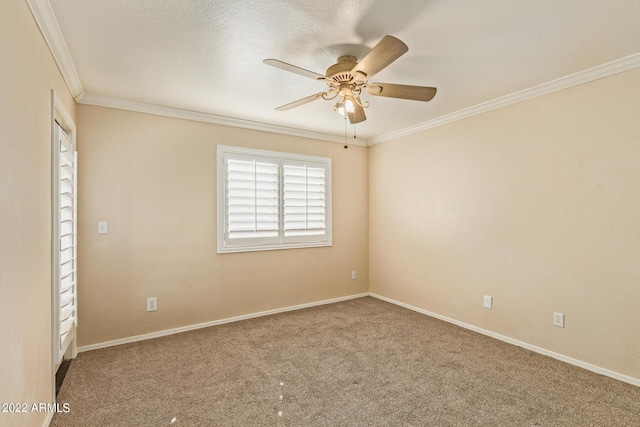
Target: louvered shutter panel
252, 195
305, 205
66, 317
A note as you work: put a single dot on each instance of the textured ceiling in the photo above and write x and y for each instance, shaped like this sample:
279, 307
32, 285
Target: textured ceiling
206, 55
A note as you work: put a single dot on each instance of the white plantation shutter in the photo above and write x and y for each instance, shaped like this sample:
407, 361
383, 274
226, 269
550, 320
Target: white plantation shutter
304, 199
252, 197
270, 200
66, 242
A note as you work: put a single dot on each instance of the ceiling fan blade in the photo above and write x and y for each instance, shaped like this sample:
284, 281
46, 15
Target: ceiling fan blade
300, 102
358, 112
384, 53
293, 69
416, 93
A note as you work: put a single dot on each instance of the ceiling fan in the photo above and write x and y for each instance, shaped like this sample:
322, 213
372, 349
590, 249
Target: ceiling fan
348, 77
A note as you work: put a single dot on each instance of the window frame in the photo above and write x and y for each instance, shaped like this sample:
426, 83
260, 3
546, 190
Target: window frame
226, 245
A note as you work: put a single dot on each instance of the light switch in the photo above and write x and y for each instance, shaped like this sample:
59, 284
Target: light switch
102, 227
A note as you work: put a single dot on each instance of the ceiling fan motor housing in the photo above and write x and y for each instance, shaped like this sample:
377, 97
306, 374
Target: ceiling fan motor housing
340, 72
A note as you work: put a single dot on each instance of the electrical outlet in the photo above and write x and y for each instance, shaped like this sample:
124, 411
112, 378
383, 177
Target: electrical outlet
152, 304
488, 301
353, 275
558, 320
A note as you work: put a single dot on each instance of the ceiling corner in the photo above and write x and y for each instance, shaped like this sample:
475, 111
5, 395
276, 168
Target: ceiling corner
48, 25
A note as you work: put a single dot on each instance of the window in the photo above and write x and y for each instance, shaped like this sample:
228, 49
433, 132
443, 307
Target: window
270, 200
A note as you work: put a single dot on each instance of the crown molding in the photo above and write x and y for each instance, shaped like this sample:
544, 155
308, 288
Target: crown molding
159, 110
598, 72
48, 25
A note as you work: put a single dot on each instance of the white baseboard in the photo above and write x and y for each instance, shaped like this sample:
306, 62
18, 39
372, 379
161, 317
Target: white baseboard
540, 350
47, 420
534, 348
214, 323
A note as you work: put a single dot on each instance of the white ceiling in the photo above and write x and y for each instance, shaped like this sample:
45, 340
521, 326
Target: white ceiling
206, 55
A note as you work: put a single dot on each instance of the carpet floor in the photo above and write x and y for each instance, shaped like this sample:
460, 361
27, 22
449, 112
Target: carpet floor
361, 362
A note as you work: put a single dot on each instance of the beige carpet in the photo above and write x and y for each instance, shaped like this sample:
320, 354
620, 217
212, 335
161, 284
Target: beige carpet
362, 362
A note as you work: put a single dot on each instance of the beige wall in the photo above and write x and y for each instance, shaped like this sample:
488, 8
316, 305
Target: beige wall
27, 75
153, 179
537, 205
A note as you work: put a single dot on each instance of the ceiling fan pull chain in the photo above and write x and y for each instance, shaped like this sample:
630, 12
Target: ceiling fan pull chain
345, 132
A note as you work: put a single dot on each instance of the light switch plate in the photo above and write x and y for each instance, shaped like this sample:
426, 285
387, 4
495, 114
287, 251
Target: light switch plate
102, 227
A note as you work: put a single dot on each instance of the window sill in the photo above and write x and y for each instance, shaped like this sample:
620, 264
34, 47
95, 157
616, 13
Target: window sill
272, 247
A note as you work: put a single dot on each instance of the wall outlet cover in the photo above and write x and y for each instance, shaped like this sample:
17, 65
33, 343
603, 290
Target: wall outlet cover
558, 320
488, 301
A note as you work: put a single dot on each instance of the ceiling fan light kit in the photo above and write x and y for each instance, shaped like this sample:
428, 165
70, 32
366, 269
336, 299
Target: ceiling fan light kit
343, 107
348, 77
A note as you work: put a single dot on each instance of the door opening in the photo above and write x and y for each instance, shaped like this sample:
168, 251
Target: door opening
64, 256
